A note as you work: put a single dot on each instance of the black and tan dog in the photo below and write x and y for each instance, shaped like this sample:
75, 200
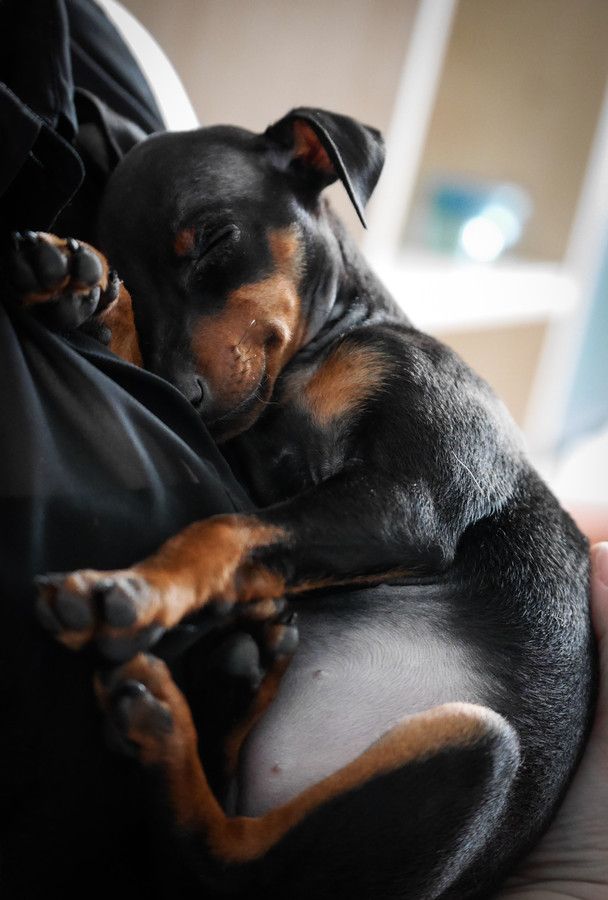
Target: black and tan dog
434, 712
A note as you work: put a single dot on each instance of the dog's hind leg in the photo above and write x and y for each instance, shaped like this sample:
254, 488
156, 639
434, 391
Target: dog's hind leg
231, 683
404, 819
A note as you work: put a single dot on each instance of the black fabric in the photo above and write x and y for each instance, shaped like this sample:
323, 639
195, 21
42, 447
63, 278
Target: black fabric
102, 64
39, 170
83, 431
47, 48
99, 462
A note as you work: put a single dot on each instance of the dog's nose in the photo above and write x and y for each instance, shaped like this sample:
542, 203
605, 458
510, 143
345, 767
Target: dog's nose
192, 387
197, 392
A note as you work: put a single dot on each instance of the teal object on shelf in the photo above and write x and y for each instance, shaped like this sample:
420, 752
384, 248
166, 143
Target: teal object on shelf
474, 220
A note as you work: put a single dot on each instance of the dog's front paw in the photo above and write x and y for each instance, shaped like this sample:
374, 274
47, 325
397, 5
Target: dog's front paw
120, 611
64, 281
146, 714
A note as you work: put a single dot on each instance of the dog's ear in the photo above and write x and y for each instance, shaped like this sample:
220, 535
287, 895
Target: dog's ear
319, 147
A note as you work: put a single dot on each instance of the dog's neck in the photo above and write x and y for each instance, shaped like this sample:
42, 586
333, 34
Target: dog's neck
354, 296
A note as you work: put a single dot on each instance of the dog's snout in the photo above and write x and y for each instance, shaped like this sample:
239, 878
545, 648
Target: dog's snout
198, 392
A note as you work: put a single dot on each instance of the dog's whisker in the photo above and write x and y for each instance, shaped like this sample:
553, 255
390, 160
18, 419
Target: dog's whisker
265, 402
249, 327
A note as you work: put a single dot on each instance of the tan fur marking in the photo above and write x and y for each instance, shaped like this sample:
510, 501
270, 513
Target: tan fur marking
303, 587
120, 320
286, 250
240, 839
184, 241
348, 377
264, 697
208, 560
232, 347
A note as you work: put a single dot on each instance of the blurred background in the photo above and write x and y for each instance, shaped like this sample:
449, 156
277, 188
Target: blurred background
490, 222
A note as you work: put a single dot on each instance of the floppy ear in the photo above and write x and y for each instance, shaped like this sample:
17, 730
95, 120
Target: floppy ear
320, 147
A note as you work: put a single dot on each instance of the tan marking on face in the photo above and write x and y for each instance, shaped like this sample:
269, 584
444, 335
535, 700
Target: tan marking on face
253, 336
286, 250
184, 242
342, 384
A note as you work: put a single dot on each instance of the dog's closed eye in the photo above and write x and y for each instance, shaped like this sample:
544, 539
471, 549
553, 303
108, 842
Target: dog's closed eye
197, 243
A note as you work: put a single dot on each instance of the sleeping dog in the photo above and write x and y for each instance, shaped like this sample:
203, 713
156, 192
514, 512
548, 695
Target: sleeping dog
429, 722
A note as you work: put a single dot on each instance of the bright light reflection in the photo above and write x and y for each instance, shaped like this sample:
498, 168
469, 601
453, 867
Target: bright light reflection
482, 239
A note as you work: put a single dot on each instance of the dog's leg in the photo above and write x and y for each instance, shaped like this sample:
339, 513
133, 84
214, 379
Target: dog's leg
322, 538
68, 284
125, 612
273, 642
403, 819
231, 683
63, 281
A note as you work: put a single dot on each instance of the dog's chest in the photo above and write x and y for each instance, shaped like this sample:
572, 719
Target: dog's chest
288, 451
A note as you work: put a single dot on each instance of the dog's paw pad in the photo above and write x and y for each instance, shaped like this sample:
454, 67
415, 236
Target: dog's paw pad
121, 599
59, 608
85, 266
135, 717
238, 658
62, 281
281, 637
75, 614
116, 610
34, 264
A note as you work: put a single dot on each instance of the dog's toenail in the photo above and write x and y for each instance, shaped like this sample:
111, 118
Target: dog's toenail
130, 688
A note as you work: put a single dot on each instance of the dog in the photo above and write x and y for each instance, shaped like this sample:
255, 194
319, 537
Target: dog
429, 723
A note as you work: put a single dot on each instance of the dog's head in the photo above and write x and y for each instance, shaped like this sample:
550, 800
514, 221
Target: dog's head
228, 251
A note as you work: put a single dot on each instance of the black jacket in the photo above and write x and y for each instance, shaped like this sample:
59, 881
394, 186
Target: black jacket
99, 463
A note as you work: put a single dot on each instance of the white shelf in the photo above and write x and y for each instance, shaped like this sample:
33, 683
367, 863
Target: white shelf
439, 294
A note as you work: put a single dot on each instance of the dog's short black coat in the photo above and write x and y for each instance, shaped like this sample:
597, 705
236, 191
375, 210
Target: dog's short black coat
381, 463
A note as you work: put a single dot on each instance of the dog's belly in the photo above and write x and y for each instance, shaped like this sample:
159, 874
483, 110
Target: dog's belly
350, 682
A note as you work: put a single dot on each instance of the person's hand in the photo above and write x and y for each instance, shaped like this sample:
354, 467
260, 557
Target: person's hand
571, 861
